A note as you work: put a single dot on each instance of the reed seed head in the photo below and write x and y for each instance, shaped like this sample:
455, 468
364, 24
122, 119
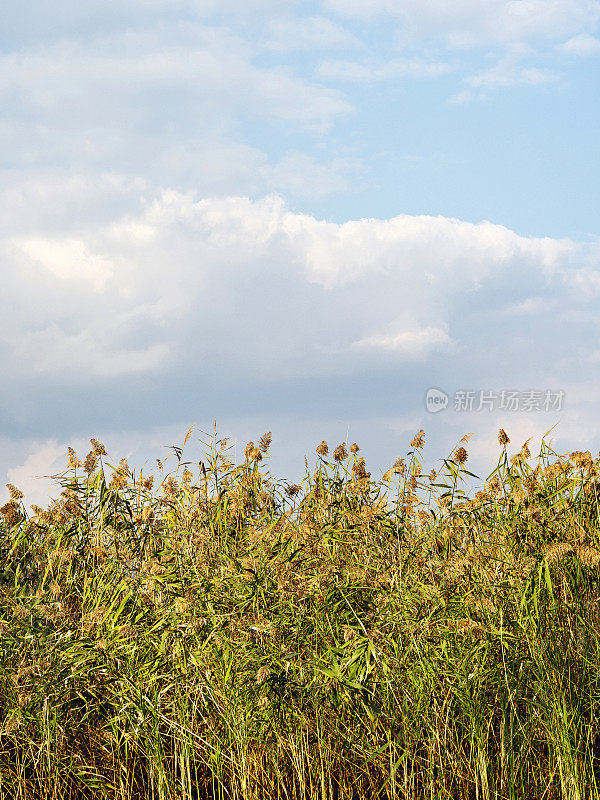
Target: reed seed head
494, 486
89, 465
589, 556
12, 723
20, 612
399, 466
15, 494
557, 551
170, 487
503, 438
263, 674
323, 449
340, 453
582, 460
419, 440
118, 480
349, 634
265, 442
182, 605
11, 512
525, 452
518, 495
73, 462
97, 447
461, 455
359, 469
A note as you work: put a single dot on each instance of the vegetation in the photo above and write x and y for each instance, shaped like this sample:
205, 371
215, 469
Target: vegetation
221, 634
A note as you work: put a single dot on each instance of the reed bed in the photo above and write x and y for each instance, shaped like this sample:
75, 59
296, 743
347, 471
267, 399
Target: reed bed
213, 632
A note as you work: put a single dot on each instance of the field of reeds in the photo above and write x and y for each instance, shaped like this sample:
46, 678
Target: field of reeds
213, 632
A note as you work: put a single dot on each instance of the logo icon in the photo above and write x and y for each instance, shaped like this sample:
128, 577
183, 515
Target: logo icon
436, 400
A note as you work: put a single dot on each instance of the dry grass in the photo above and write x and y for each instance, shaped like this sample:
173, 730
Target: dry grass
217, 633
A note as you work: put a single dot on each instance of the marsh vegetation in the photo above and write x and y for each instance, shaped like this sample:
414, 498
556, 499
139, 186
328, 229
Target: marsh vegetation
213, 632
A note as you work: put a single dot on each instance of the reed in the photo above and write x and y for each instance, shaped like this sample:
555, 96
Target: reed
213, 632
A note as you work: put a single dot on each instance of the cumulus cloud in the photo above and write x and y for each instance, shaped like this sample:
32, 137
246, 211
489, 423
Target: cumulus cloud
394, 68
530, 306
156, 102
301, 175
402, 338
512, 28
287, 34
499, 76
464, 23
125, 295
584, 44
39, 20
75, 83
32, 476
67, 259
585, 280
507, 72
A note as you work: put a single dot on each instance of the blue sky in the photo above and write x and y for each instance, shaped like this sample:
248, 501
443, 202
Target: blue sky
296, 216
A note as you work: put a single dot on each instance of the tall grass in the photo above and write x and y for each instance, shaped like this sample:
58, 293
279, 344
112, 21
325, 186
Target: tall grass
216, 633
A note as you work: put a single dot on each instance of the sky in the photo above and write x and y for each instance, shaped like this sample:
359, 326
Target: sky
306, 217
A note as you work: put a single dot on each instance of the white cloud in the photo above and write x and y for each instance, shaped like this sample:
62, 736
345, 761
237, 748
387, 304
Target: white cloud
461, 98
585, 280
466, 23
285, 35
214, 69
39, 19
414, 343
67, 259
584, 44
507, 72
501, 76
434, 248
176, 264
152, 101
32, 477
394, 68
91, 351
32, 464
302, 175
530, 306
